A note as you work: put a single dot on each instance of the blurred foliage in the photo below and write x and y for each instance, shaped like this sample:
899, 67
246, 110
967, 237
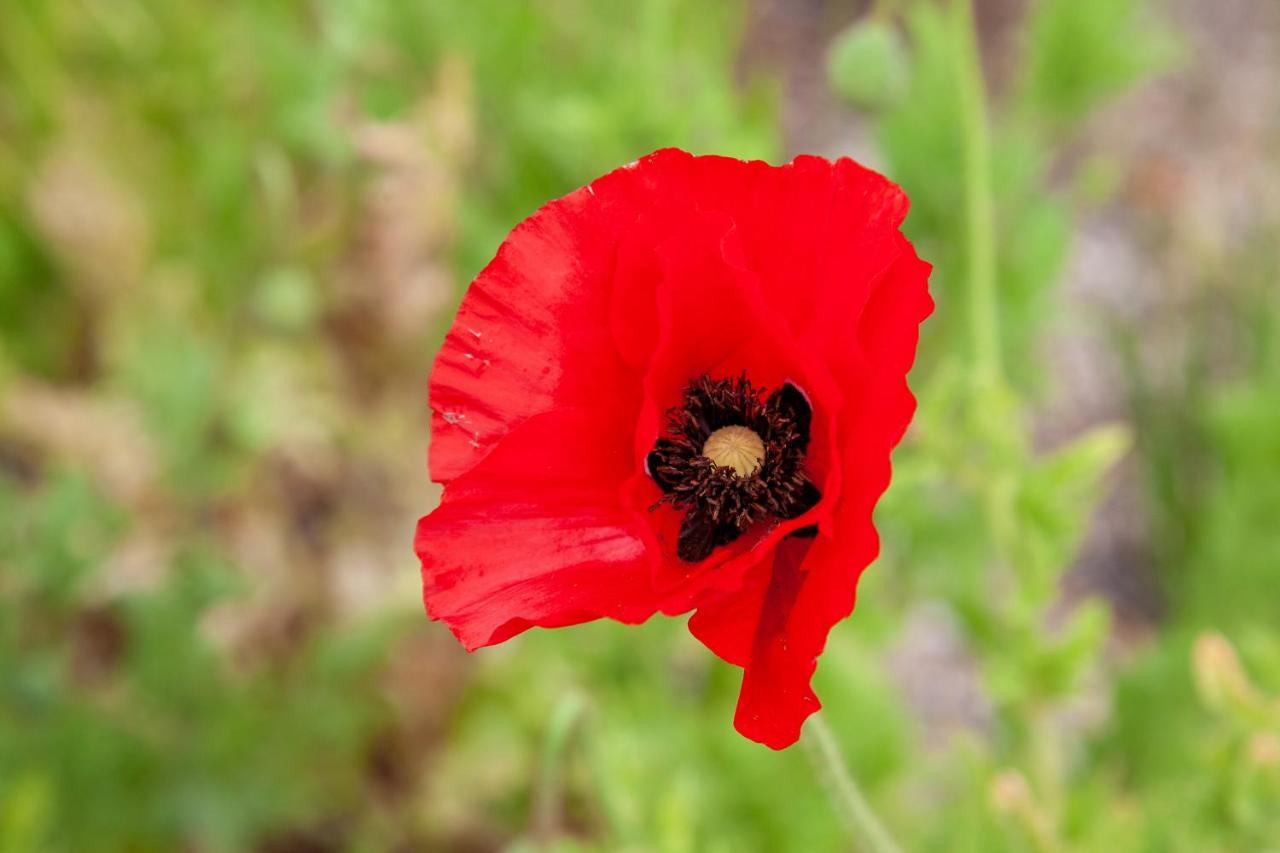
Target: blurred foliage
229, 237
1209, 444
121, 727
1073, 56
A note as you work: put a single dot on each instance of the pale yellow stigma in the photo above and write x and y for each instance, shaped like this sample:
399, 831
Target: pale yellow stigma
735, 447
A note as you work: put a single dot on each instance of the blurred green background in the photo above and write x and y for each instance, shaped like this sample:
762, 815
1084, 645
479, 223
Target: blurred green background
232, 233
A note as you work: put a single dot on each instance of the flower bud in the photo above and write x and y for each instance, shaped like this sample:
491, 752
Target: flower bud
1220, 680
1264, 750
867, 65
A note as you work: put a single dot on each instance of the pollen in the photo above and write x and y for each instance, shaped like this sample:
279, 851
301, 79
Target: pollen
735, 447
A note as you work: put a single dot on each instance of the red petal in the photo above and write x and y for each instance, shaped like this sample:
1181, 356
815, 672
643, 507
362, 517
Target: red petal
804, 601
776, 696
535, 534
711, 318
816, 233
808, 239
727, 625
533, 332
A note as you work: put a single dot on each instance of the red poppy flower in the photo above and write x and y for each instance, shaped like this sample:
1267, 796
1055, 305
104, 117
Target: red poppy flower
677, 389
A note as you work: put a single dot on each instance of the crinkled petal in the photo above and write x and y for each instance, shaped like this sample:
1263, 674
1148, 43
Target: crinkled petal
727, 624
810, 592
815, 232
776, 696
535, 534
533, 332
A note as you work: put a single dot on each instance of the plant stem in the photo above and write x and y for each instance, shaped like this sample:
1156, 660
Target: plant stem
844, 791
548, 794
984, 318
999, 486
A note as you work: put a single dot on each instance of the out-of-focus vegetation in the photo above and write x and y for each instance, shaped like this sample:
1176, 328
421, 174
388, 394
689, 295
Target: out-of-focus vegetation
230, 235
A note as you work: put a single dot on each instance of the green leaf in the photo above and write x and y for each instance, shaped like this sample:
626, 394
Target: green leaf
1057, 495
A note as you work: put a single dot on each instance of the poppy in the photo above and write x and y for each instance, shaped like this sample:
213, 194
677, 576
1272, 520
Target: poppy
676, 389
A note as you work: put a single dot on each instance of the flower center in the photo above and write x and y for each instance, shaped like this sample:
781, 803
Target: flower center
735, 447
730, 459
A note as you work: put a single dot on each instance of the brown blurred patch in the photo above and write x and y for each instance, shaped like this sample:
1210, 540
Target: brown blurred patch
90, 219
20, 460
426, 675
395, 282
95, 230
102, 435
328, 836
99, 640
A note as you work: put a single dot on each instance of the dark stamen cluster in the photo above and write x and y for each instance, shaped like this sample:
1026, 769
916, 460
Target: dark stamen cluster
721, 503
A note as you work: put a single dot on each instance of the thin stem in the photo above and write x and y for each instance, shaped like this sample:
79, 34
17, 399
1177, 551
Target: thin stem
1047, 775
989, 400
845, 794
980, 218
999, 487
566, 719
